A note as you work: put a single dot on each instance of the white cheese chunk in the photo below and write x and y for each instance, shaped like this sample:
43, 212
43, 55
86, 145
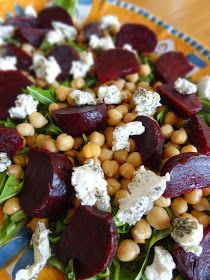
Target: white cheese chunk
144, 188
8, 63
109, 21
81, 67
122, 133
110, 95
129, 48
47, 69
162, 266
42, 253
61, 33
204, 87
188, 234
83, 97
183, 86
90, 185
146, 102
4, 162
24, 106
6, 31
30, 11
104, 43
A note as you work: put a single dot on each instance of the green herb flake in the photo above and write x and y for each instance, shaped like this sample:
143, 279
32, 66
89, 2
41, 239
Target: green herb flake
8, 123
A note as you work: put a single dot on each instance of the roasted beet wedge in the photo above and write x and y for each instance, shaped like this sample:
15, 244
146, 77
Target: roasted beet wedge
185, 105
10, 141
150, 143
22, 21
172, 65
199, 133
78, 120
192, 267
47, 187
114, 64
92, 29
11, 84
24, 61
50, 14
64, 56
90, 239
188, 171
31, 35
139, 36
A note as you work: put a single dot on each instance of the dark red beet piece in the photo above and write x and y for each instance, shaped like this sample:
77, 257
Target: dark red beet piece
10, 141
64, 55
50, 14
77, 120
92, 29
31, 35
47, 186
150, 143
11, 84
172, 65
90, 239
139, 36
114, 64
185, 105
22, 21
191, 266
199, 133
24, 61
188, 171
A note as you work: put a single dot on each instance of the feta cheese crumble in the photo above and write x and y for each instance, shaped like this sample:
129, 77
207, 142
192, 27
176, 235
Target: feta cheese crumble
61, 33
129, 48
122, 133
90, 185
204, 87
162, 266
81, 67
104, 43
83, 97
8, 63
110, 95
146, 102
24, 106
183, 86
4, 162
6, 31
47, 69
144, 188
42, 253
188, 234
109, 21
30, 11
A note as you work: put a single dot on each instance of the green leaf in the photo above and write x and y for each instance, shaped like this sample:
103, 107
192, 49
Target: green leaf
84, 138
11, 188
70, 271
45, 46
121, 227
76, 46
117, 270
90, 81
104, 274
204, 101
52, 129
44, 96
3, 178
55, 262
68, 5
14, 41
160, 116
8, 123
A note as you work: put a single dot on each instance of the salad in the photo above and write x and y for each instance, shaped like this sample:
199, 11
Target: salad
104, 150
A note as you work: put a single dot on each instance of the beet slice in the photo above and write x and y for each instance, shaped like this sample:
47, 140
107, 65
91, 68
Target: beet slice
11, 84
90, 239
115, 63
191, 266
185, 105
10, 141
22, 21
47, 186
64, 55
139, 36
150, 143
31, 35
199, 133
188, 171
172, 65
24, 61
50, 14
78, 120
92, 29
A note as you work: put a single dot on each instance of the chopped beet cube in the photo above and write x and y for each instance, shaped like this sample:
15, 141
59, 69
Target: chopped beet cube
31, 35
10, 141
22, 21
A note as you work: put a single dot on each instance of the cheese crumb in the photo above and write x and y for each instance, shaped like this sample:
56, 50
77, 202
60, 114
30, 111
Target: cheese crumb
122, 133
104, 43
4, 162
109, 21
83, 97
6, 31
110, 95
81, 67
146, 102
162, 266
183, 86
144, 188
61, 33
204, 87
8, 63
30, 11
90, 185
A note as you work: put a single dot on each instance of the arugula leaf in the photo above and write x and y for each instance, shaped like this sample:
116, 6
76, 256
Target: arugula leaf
84, 138
52, 129
3, 178
204, 101
14, 41
160, 116
205, 112
70, 271
45, 46
10, 189
8, 123
121, 227
55, 262
90, 81
44, 96
68, 5
76, 46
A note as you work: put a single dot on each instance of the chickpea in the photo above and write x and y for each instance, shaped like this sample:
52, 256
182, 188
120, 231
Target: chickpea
130, 87
141, 231
110, 167
20, 160
120, 195
169, 144
78, 141
202, 205
72, 153
170, 152
170, 118
97, 138
15, 170
145, 70
144, 85
31, 140
124, 183
120, 84
34, 222
120, 156
206, 191
128, 250
127, 170
167, 130
156, 85
128, 117
109, 136
37, 120
189, 149
113, 117
113, 186
179, 137
78, 83
52, 107
132, 145
41, 139
11, 206
202, 218
105, 154
133, 78
50, 145
163, 202
127, 96
135, 159
25, 129
81, 158
188, 215
158, 218
64, 142
193, 197
62, 92
91, 150
123, 109
179, 206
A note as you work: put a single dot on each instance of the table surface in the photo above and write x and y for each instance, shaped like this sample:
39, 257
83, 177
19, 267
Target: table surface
189, 16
